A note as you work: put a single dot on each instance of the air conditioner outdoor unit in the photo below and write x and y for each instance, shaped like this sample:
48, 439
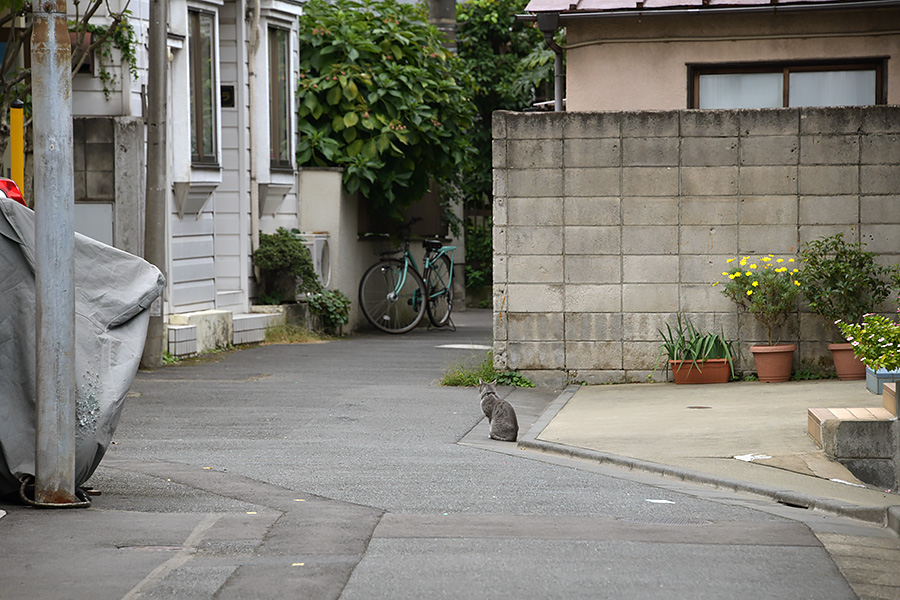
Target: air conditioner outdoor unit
317, 244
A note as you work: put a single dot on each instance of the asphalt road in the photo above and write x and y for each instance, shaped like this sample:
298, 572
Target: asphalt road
342, 470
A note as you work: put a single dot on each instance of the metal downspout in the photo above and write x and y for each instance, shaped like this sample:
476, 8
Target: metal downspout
254, 166
548, 23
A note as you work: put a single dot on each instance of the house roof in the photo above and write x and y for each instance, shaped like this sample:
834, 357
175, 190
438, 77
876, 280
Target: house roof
600, 6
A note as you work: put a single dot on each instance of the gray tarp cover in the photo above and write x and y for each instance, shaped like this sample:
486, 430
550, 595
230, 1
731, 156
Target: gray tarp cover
113, 293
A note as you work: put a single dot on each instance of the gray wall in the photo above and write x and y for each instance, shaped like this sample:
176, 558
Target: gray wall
109, 180
606, 225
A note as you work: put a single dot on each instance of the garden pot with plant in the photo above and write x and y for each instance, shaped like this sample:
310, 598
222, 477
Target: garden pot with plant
876, 341
842, 282
766, 288
694, 356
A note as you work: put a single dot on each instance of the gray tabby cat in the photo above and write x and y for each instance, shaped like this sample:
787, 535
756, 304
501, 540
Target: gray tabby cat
500, 414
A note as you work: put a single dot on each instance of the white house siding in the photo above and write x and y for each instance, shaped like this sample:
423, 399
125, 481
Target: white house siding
231, 201
88, 96
208, 242
286, 212
192, 271
192, 268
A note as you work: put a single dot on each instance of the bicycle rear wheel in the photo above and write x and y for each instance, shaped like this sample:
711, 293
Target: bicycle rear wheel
390, 302
440, 292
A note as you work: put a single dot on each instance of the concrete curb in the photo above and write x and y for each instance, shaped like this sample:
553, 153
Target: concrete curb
879, 515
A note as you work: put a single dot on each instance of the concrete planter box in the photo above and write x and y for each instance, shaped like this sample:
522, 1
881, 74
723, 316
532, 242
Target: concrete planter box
875, 380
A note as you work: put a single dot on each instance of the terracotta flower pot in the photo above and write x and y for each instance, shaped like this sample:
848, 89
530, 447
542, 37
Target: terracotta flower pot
774, 363
847, 365
715, 370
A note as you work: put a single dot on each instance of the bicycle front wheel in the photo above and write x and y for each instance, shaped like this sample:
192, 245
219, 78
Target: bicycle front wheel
440, 292
391, 296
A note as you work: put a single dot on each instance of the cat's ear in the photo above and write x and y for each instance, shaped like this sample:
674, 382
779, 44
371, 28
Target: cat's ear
494, 382
480, 381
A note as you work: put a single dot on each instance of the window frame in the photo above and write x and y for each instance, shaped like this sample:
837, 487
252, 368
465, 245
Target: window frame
878, 64
199, 125
279, 106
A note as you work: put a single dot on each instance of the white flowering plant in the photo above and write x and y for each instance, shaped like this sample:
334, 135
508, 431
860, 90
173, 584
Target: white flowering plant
766, 287
876, 340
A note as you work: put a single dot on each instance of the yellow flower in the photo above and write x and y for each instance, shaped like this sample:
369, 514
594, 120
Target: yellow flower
715, 284
749, 273
771, 256
790, 260
753, 266
755, 284
738, 274
794, 271
749, 292
732, 276
767, 259
743, 262
796, 282
725, 273
781, 260
730, 260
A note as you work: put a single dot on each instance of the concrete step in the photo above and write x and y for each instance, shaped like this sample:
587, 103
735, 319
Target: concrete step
816, 418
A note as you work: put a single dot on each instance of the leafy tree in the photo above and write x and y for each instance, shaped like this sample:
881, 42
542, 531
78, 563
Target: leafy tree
380, 96
510, 66
92, 33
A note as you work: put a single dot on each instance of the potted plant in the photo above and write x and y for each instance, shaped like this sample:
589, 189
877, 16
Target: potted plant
875, 340
694, 356
766, 288
841, 282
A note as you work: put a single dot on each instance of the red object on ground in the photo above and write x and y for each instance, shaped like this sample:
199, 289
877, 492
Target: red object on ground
9, 187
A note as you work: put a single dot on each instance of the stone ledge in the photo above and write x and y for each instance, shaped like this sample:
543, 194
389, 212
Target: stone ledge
862, 439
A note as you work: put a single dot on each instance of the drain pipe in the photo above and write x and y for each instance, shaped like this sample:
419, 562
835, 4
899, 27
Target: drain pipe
548, 23
253, 43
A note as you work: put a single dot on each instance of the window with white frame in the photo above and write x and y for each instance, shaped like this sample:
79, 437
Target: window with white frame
856, 83
203, 86
279, 98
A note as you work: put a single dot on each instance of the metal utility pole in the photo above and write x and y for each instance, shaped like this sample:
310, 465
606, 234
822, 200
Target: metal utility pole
54, 196
442, 14
155, 216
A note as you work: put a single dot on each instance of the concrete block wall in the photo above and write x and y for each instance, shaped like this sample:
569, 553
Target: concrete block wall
606, 225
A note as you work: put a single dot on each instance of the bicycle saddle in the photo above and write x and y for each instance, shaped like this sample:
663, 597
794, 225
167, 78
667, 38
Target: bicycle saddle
431, 244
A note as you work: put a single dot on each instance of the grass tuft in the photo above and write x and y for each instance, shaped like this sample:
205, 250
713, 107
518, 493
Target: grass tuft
468, 376
292, 334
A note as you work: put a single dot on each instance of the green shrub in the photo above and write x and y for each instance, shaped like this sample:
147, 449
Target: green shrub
467, 376
285, 266
332, 306
841, 281
479, 254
